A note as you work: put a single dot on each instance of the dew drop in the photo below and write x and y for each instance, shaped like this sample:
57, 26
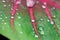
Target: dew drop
52, 22
19, 24
4, 5
53, 8
9, 5
42, 32
36, 36
4, 23
2, 20
48, 20
19, 17
3, 1
11, 8
21, 32
41, 28
12, 17
43, 6
16, 9
41, 19
6, 17
33, 20
54, 16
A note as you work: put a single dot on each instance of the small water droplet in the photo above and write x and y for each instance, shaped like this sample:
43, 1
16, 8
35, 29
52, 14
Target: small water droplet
9, 5
43, 6
42, 32
36, 36
4, 5
19, 17
41, 28
48, 20
21, 32
4, 23
12, 17
33, 20
54, 16
41, 19
53, 8
6, 17
19, 24
52, 22
3, 1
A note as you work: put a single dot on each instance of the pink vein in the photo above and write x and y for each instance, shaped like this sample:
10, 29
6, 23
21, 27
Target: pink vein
13, 12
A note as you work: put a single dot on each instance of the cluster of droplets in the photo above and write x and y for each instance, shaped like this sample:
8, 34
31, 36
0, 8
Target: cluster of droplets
43, 6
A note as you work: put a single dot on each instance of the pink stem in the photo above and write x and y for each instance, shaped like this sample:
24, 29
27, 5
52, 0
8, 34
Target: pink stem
15, 6
50, 17
32, 17
13, 12
43, 1
54, 4
48, 13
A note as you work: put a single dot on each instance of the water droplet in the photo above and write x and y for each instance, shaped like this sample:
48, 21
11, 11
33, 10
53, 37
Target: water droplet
41, 28
33, 20
54, 16
4, 5
19, 24
17, 13
53, 8
42, 32
19, 17
4, 23
52, 22
3, 1
12, 17
41, 19
36, 36
6, 17
11, 8
43, 6
16, 9
48, 20
2, 20
33, 29
9, 5
21, 32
